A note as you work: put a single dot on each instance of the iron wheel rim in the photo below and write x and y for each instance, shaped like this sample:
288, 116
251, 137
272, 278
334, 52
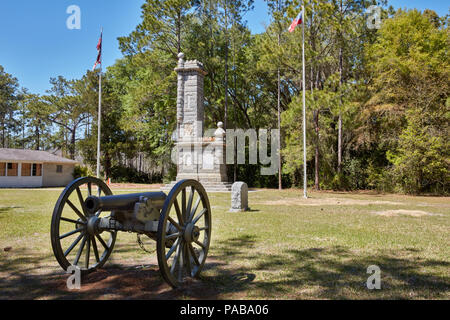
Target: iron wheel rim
182, 253
87, 247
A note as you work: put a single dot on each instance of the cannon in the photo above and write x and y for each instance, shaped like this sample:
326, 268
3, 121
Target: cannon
87, 218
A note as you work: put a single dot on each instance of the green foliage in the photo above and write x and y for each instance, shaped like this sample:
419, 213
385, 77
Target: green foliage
421, 162
120, 174
171, 175
354, 174
340, 182
36, 126
380, 178
81, 171
411, 64
8, 105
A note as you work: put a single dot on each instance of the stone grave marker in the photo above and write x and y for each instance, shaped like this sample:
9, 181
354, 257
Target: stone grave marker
239, 197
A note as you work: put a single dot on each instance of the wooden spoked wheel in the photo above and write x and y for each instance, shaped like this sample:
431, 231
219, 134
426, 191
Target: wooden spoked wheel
184, 232
75, 240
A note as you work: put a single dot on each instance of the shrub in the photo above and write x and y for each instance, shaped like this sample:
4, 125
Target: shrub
381, 178
122, 174
355, 174
340, 182
171, 175
80, 171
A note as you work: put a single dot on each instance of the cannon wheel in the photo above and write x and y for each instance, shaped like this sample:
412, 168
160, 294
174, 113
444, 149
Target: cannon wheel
184, 232
71, 232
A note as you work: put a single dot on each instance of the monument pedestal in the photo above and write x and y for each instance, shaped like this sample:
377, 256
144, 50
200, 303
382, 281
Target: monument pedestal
209, 186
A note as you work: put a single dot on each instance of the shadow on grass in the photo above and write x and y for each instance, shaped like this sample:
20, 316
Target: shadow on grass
333, 272
235, 269
8, 209
23, 276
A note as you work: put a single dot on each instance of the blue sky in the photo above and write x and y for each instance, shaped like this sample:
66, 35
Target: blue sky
37, 45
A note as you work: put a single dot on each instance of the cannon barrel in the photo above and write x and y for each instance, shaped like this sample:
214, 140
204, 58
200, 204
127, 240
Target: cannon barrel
123, 201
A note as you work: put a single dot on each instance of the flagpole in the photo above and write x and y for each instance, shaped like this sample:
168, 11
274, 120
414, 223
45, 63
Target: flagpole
280, 185
305, 180
99, 124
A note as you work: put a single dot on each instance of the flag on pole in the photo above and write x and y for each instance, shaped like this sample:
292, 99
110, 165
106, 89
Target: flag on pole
99, 49
298, 20
99, 118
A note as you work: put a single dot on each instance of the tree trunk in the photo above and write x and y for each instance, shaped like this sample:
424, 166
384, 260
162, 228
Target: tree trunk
178, 31
226, 65
107, 165
37, 136
316, 174
280, 185
65, 146
3, 134
339, 144
339, 166
72, 143
211, 39
235, 105
23, 131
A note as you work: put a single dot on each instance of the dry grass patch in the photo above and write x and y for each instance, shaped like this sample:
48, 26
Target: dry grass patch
326, 202
411, 213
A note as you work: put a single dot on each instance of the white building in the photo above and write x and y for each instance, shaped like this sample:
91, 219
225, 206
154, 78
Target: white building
34, 169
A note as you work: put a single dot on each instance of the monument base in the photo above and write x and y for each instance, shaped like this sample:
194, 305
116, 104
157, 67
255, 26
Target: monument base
239, 210
210, 186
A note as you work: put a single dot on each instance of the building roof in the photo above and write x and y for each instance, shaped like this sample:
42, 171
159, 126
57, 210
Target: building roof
32, 156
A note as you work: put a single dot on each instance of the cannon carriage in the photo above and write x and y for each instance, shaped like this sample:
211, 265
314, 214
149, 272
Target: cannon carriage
87, 218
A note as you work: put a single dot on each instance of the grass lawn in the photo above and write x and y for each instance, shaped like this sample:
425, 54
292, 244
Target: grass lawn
284, 248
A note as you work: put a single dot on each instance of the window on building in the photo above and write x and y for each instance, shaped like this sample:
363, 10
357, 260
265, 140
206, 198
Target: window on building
59, 169
37, 170
13, 169
2, 169
26, 169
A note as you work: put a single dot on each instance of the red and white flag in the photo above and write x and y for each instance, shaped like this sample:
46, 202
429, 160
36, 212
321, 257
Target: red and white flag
99, 49
298, 20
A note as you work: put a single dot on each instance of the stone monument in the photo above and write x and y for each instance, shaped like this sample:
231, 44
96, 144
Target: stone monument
198, 157
239, 197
